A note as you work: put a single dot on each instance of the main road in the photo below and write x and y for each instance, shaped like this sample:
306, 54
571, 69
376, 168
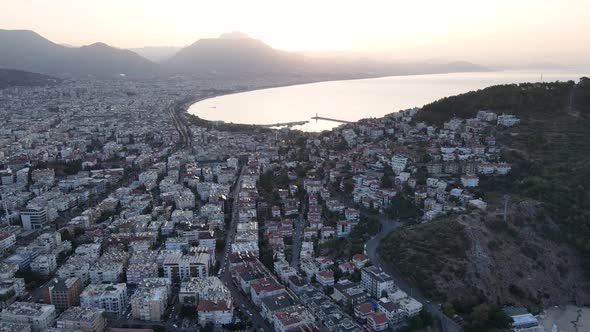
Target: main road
240, 300
388, 225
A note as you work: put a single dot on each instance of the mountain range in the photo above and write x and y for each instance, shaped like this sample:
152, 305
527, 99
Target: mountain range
231, 54
26, 50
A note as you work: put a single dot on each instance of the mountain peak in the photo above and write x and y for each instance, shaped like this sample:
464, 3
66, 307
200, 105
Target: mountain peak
98, 45
234, 35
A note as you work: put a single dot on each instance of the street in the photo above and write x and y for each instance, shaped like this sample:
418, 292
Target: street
388, 225
240, 300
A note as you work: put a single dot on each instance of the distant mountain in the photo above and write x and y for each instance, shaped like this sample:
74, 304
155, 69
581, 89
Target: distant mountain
233, 53
156, 53
237, 53
13, 78
26, 50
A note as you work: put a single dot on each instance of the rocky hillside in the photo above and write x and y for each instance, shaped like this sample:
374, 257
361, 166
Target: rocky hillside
476, 258
541, 255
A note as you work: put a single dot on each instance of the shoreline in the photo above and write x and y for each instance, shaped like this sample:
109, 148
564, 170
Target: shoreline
245, 90
239, 90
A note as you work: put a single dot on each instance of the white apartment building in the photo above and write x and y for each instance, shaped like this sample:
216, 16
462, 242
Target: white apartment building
507, 120
375, 281
184, 200
44, 264
33, 217
148, 304
7, 241
110, 297
14, 327
75, 266
182, 267
208, 288
91, 250
139, 271
105, 271
39, 316
398, 163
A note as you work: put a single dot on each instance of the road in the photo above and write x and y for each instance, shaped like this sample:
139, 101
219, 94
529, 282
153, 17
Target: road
388, 225
180, 125
297, 239
241, 301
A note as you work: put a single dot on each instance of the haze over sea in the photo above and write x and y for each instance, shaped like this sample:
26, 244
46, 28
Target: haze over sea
353, 100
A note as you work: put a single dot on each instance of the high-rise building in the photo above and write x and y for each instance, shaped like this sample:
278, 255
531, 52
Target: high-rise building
33, 217
375, 281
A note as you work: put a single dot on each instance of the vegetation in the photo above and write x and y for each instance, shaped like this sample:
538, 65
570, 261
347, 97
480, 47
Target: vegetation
11, 78
520, 99
62, 168
550, 158
436, 246
403, 207
32, 279
485, 317
347, 247
549, 150
423, 320
233, 127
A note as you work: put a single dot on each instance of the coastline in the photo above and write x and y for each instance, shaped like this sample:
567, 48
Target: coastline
221, 93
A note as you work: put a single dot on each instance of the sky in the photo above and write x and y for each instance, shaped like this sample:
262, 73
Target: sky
490, 31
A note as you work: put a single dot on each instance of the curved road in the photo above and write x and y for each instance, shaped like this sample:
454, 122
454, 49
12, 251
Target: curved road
388, 225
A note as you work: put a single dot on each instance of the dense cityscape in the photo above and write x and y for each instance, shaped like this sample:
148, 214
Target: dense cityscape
294, 166
121, 210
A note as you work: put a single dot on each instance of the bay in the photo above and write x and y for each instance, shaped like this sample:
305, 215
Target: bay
352, 100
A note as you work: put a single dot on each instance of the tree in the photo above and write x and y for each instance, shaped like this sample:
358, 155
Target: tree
187, 311
386, 181
219, 245
448, 309
402, 207
66, 236
209, 327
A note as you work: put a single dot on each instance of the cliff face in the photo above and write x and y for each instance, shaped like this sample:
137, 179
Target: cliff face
517, 262
491, 260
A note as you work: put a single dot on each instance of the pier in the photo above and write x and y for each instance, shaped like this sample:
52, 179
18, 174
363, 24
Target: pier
285, 124
316, 117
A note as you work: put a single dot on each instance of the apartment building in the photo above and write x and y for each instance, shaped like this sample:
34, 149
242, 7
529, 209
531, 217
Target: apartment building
375, 281
38, 316
82, 319
110, 297
148, 304
62, 293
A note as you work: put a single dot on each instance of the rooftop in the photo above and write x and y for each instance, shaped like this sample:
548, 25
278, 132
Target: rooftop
81, 314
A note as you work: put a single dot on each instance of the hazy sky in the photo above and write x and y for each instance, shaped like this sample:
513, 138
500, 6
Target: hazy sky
476, 30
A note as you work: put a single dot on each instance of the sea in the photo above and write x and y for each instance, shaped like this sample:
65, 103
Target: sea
352, 100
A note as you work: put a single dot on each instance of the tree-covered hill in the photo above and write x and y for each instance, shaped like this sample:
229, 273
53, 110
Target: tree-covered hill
11, 78
543, 255
525, 99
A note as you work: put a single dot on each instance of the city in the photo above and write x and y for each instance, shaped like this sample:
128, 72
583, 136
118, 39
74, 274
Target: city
294, 166
132, 216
